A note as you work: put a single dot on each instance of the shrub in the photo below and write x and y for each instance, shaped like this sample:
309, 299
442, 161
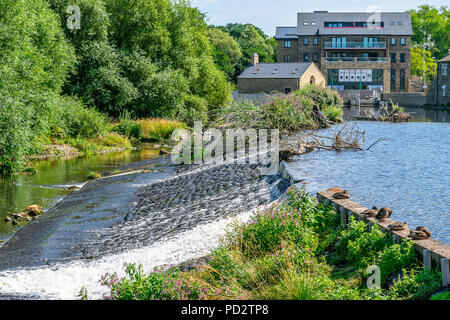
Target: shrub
441, 296
128, 127
93, 175
415, 284
158, 285
396, 257
115, 140
159, 129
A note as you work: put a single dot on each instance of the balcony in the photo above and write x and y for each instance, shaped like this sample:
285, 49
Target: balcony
355, 59
354, 45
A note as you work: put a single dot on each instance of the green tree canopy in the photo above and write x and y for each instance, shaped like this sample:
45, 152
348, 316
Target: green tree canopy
251, 40
226, 51
34, 61
431, 27
417, 63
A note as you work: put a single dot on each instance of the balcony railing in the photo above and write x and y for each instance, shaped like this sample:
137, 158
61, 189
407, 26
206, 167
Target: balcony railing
355, 59
355, 45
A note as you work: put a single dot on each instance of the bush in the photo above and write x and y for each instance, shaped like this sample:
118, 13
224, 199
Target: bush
284, 112
158, 285
115, 140
415, 284
128, 127
159, 129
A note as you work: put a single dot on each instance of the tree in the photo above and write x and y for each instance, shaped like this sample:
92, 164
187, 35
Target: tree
251, 40
35, 58
226, 51
417, 63
431, 27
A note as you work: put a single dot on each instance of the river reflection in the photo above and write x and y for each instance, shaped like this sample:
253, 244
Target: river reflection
54, 178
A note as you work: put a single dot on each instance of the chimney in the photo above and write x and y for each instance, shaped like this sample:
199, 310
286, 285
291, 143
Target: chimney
255, 59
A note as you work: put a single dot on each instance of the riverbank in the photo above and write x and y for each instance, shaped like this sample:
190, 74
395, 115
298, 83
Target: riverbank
293, 249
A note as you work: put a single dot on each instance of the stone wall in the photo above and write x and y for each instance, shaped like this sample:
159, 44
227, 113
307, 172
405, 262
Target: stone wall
406, 99
292, 51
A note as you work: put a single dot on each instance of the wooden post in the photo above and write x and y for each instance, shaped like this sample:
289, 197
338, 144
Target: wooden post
445, 272
343, 214
427, 259
395, 238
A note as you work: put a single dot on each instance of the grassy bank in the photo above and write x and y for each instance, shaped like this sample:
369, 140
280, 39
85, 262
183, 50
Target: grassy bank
293, 249
295, 111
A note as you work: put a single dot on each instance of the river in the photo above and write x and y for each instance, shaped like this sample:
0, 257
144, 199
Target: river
408, 172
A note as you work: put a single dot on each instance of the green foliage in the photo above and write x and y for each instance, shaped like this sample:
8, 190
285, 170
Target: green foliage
226, 52
441, 296
395, 257
115, 140
93, 175
159, 129
415, 284
277, 255
322, 97
417, 63
128, 127
34, 60
285, 112
431, 27
158, 285
251, 39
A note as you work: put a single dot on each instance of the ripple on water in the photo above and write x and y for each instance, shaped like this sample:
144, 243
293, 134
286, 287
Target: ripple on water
409, 172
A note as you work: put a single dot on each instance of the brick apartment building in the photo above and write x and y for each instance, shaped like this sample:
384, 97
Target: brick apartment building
352, 51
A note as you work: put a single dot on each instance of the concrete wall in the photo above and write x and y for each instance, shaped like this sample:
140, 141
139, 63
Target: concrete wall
406, 99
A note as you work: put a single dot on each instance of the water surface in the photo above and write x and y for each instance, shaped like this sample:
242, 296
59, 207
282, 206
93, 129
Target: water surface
409, 172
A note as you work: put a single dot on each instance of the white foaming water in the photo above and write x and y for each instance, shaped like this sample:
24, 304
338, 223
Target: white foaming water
64, 281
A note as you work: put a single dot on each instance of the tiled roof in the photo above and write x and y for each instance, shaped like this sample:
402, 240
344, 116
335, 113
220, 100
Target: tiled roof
275, 70
286, 33
395, 23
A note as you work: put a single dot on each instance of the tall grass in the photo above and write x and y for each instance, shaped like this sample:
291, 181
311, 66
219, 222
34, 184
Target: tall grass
159, 129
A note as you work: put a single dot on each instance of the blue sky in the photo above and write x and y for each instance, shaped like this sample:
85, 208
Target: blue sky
267, 14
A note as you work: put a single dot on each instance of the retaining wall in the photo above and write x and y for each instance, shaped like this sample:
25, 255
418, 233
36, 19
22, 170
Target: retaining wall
435, 254
406, 99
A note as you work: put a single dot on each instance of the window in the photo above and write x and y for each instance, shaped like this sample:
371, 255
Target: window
287, 90
444, 69
315, 57
305, 41
316, 41
287, 58
393, 41
287, 43
402, 41
402, 80
392, 80
392, 23
313, 23
306, 57
393, 57
305, 23
402, 57
400, 23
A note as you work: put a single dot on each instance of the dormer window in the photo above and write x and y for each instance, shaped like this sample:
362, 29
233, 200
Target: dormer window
313, 23
305, 23
400, 23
